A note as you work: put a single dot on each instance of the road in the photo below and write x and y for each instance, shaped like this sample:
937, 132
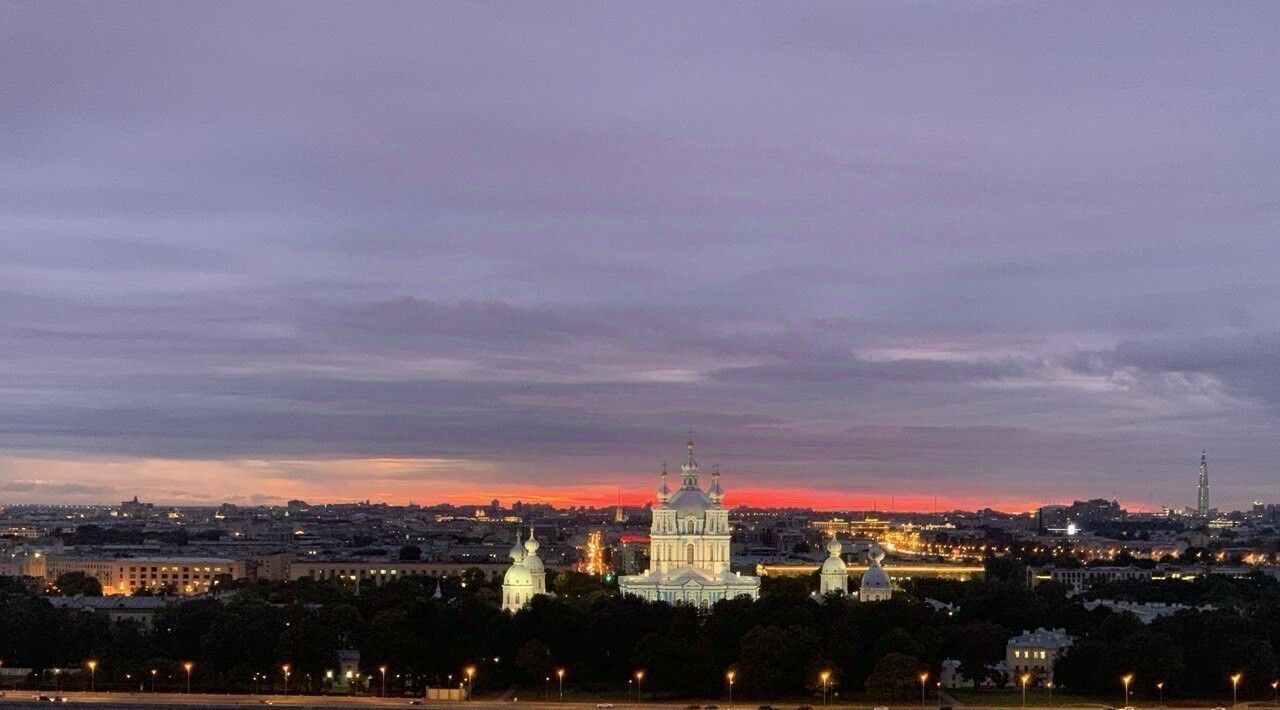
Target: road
21, 700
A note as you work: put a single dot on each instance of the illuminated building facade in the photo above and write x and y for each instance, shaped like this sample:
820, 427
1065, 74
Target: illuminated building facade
689, 546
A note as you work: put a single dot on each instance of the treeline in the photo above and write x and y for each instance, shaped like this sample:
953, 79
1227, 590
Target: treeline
778, 646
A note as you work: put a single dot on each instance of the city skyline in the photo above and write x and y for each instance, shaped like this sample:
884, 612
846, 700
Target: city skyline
993, 255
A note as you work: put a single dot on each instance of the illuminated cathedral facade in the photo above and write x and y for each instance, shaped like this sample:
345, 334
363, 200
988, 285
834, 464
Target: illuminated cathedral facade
689, 556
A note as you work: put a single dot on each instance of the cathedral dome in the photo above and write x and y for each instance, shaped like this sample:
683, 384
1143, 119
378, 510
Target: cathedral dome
533, 563
517, 576
875, 578
690, 502
833, 564
516, 553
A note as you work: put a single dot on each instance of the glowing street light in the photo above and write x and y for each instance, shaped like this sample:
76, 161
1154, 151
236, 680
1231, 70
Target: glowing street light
730, 676
923, 678
93, 672
1126, 679
1026, 678
1235, 684
383, 671
153, 679
471, 674
825, 676
1275, 689
187, 667
284, 670
560, 677
639, 681
1160, 691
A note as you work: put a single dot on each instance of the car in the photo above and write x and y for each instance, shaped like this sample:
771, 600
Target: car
880, 707
604, 706
415, 702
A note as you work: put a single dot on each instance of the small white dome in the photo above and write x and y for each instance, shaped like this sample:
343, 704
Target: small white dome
533, 563
517, 576
876, 554
531, 546
833, 565
875, 578
834, 548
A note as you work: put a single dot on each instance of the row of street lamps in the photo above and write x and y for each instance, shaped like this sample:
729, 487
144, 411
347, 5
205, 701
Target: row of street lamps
1235, 689
730, 676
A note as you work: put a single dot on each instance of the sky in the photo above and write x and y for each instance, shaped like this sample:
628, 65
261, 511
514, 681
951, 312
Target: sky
887, 255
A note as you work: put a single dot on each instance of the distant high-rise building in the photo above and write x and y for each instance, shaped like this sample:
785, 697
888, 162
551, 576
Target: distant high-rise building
1202, 497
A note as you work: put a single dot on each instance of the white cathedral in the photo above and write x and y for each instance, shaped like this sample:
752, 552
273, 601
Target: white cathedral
689, 560
527, 575
833, 577
689, 546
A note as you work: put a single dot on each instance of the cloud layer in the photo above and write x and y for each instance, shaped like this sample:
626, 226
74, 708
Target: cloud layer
1007, 254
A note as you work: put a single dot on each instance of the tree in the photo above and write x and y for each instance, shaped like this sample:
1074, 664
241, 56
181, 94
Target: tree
775, 661
534, 658
73, 584
894, 672
978, 645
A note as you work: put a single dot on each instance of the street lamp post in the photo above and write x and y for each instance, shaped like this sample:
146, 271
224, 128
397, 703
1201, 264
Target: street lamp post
730, 676
1049, 686
923, 678
1275, 690
560, 678
826, 676
153, 679
639, 683
93, 674
1026, 677
383, 671
187, 667
1160, 692
284, 670
1127, 679
546, 689
471, 674
1235, 684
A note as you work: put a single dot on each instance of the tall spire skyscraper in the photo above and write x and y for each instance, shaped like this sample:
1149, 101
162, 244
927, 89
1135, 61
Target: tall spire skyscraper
1202, 497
